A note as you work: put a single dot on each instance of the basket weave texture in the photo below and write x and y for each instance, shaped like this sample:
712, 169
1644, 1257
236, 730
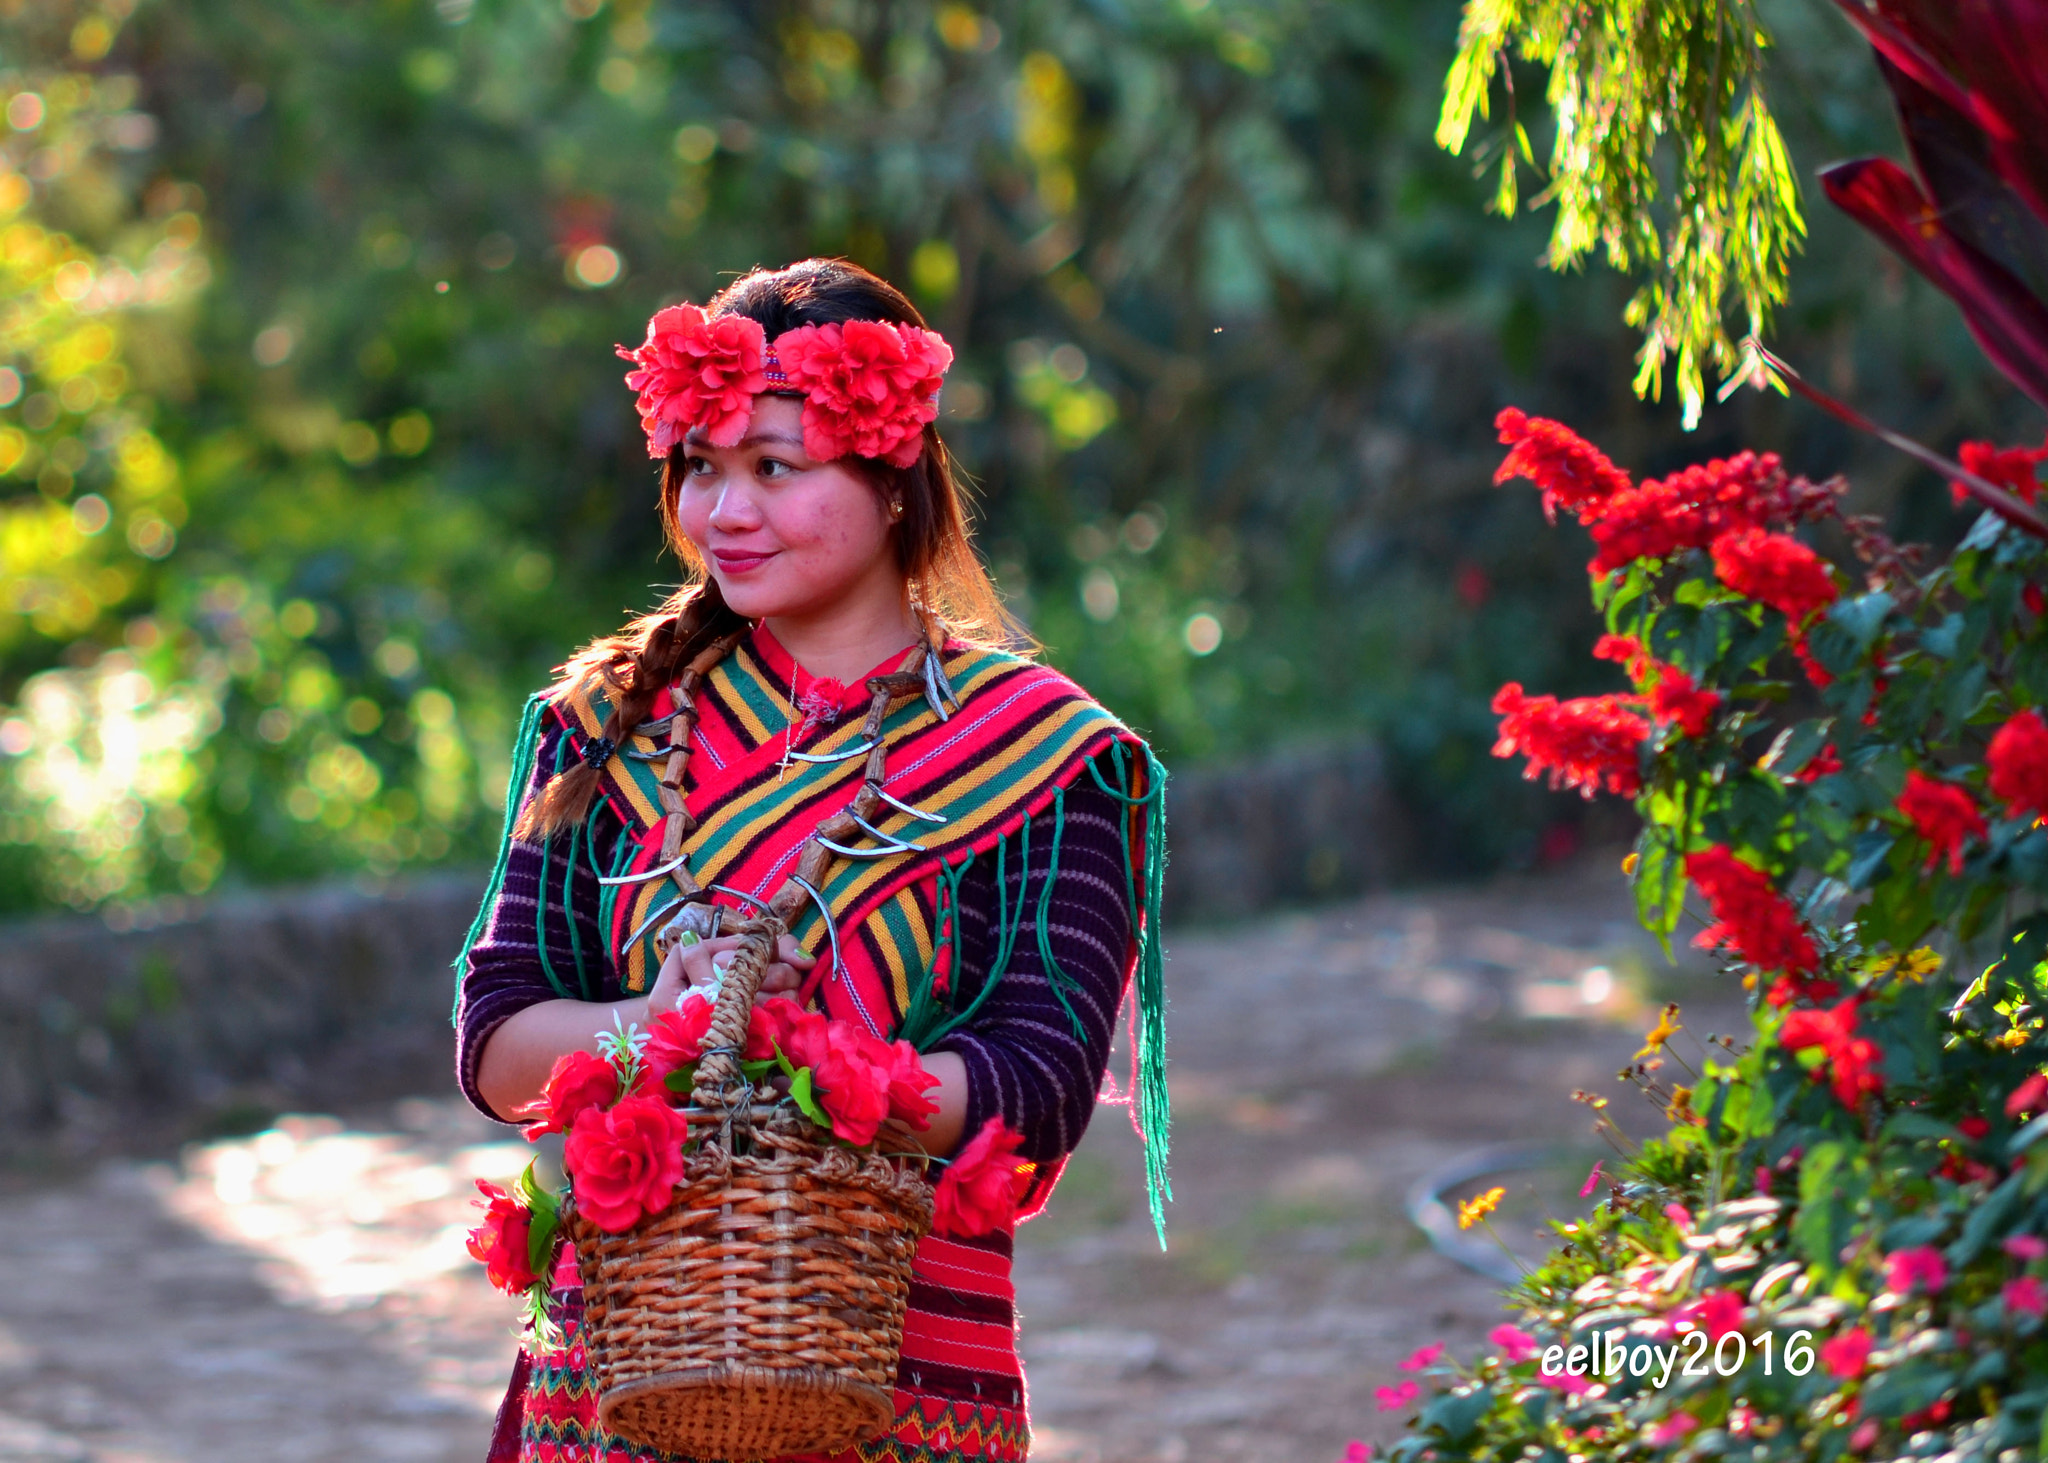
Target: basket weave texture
761, 1313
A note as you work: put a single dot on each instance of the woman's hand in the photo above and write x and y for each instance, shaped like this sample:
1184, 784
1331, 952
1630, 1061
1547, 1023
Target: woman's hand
689, 966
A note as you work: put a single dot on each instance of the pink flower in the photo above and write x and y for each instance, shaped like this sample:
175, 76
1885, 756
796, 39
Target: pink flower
2025, 1294
1866, 1434
871, 387
1679, 1215
1514, 1344
1716, 1314
1671, 1429
2023, 1246
1356, 1452
694, 371
2028, 1097
1592, 1179
1846, 1355
1921, 1268
1564, 1381
1393, 1399
1423, 1356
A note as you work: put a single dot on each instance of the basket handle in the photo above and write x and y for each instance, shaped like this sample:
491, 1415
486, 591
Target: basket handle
718, 1071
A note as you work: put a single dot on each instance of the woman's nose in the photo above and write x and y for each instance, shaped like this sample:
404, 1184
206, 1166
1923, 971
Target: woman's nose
734, 510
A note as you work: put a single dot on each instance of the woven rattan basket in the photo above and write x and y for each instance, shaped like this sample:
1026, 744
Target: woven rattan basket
761, 1313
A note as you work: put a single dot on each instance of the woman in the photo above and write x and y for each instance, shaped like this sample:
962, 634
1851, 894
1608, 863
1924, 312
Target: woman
1002, 889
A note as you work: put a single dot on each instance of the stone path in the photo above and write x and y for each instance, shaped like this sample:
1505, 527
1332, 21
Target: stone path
303, 1295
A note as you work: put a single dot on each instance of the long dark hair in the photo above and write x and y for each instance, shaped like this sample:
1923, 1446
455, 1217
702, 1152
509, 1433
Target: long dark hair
933, 540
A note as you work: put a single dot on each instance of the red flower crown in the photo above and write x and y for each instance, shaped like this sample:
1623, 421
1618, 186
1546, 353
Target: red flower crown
869, 387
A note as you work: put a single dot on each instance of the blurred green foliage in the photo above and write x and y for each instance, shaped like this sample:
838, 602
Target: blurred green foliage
355, 466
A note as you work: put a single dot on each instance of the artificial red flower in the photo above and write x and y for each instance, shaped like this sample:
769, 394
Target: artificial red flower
1590, 742
2011, 468
501, 1241
980, 1189
1571, 471
579, 1081
1514, 1344
871, 387
1846, 1355
2030, 1096
908, 1082
2018, 759
1943, 814
1692, 508
1716, 1313
850, 1084
694, 371
623, 1162
1920, 1268
1750, 916
1776, 570
675, 1039
767, 1023
1849, 1060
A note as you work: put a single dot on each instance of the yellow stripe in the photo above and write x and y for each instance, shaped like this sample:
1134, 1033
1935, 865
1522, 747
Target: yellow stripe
722, 681
912, 909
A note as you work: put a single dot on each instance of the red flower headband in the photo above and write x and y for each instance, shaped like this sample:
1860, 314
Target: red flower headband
869, 387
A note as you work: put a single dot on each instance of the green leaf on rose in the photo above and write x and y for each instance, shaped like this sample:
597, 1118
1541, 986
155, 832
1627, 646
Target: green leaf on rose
800, 1094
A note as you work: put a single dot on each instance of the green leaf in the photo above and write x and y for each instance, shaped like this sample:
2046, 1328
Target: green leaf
1458, 1413
1867, 862
1993, 1214
800, 1094
1822, 1225
682, 1079
1863, 616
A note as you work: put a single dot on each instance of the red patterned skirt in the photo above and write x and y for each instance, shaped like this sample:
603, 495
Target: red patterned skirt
959, 1395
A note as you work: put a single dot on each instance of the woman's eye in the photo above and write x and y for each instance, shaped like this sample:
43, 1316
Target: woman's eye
774, 467
696, 466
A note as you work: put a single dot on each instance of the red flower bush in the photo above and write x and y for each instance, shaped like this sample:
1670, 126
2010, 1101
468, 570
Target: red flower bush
1571, 471
1690, 509
1846, 1355
579, 1081
1591, 743
2011, 468
1776, 570
1674, 697
624, 1162
501, 1241
1717, 1313
1750, 916
1943, 814
1851, 1061
2018, 759
872, 387
694, 371
981, 1187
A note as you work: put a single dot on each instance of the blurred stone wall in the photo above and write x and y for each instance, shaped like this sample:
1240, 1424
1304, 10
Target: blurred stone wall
190, 1018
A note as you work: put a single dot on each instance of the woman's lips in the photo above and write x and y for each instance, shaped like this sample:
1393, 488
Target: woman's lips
734, 561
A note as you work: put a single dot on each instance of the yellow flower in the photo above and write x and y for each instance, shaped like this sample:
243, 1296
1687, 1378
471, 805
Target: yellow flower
1628, 865
1471, 1211
1922, 963
1667, 1027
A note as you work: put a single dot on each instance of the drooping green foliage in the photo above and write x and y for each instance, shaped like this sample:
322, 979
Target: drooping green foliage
1665, 158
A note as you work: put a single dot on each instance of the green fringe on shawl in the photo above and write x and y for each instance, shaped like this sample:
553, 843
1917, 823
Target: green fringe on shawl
525, 747
1155, 1114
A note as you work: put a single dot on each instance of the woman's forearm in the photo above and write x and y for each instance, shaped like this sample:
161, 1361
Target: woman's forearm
518, 1056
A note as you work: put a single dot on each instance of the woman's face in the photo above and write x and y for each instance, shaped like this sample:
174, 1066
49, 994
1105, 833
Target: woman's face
784, 535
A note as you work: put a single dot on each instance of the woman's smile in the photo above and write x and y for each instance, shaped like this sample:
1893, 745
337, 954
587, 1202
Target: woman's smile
740, 561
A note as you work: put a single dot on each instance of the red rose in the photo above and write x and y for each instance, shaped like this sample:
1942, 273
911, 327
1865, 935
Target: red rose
908, 1081
674, 1040
870, 386
579, 1081
500, 1242
981, 1186
624, 1162
849, 1084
